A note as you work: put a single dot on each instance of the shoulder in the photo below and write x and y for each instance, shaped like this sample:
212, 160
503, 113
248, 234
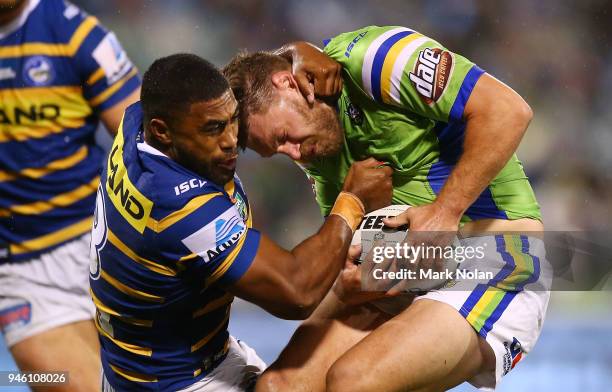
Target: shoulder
67, 19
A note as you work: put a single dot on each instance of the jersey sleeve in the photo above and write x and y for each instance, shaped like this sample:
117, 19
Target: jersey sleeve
211, 240
106, 73
401, 67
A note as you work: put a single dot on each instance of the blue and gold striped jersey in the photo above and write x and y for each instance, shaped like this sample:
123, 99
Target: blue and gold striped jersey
59, 68
164, 242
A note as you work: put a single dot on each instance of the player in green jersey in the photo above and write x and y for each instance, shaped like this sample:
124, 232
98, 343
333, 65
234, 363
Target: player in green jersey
449, 130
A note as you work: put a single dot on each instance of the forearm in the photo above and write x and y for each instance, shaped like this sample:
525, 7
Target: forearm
290, 49
319, 259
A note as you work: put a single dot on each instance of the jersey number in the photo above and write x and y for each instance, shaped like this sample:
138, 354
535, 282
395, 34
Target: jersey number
99, 233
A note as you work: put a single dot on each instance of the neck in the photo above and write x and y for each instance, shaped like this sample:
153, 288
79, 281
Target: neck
10, 13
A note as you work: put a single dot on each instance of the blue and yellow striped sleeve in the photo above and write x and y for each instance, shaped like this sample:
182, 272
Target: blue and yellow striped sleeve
107, 74
211, 239
401, 67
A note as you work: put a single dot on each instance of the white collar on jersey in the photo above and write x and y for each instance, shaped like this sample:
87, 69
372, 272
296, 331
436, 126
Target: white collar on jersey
144, 147
20, 20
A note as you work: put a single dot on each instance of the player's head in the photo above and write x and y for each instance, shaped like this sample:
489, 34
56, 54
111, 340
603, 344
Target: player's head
190, 114
274, 116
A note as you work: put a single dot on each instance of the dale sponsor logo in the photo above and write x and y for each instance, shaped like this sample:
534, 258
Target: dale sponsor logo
217, 236
38, 71
431, 74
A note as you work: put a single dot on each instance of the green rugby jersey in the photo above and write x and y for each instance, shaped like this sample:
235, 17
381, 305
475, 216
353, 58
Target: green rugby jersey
402, 102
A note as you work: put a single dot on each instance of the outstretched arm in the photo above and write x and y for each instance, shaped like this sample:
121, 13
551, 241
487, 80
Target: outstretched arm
290, 284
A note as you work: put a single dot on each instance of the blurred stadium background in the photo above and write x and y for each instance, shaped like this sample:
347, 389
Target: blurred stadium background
556, 54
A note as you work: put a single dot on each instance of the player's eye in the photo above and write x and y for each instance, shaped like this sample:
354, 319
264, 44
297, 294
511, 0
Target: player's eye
216, 127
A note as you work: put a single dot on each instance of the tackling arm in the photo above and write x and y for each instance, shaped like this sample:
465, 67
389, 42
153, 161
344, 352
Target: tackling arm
290, 284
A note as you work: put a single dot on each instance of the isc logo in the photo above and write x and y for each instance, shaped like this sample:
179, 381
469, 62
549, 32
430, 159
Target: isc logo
187, 185
431, 73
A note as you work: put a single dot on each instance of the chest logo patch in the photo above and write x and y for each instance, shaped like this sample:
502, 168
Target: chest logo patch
38, 71
353, 112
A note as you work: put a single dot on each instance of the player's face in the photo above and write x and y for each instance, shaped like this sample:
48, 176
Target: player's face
205, 139
291, 127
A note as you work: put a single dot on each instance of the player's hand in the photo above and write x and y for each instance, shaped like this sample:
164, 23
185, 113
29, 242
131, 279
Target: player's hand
430, 226
316, 73
348, 286
370, 181
429, 217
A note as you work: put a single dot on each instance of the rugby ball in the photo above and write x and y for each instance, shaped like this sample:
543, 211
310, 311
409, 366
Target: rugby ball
372, 224
372, 229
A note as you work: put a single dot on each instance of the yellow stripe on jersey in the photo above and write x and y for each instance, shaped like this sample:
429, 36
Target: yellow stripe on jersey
98, 99
189, 257
386, 77
95, 76
213, 305
147, 352
54, 238
197, 372
133, 376
37, 172
36, 112
211, 335
125, 196
223, 267
151, 265
172, 218
249, 221
230, 188
62, 200
39, 48
130, 320
128, 290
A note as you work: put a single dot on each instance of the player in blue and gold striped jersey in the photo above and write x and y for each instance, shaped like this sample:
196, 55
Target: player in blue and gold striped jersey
172, 242
61, 73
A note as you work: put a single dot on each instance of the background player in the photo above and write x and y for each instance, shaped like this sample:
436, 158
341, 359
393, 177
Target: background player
61, 73
172, 241
450, 132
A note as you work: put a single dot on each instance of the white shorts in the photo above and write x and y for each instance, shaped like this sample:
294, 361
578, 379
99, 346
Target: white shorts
238, 372
45, 292
509, 320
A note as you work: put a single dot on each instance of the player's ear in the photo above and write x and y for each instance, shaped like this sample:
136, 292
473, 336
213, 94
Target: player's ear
160, 131
283, 80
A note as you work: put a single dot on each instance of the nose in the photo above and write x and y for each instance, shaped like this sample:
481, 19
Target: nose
229, 139
290, 149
